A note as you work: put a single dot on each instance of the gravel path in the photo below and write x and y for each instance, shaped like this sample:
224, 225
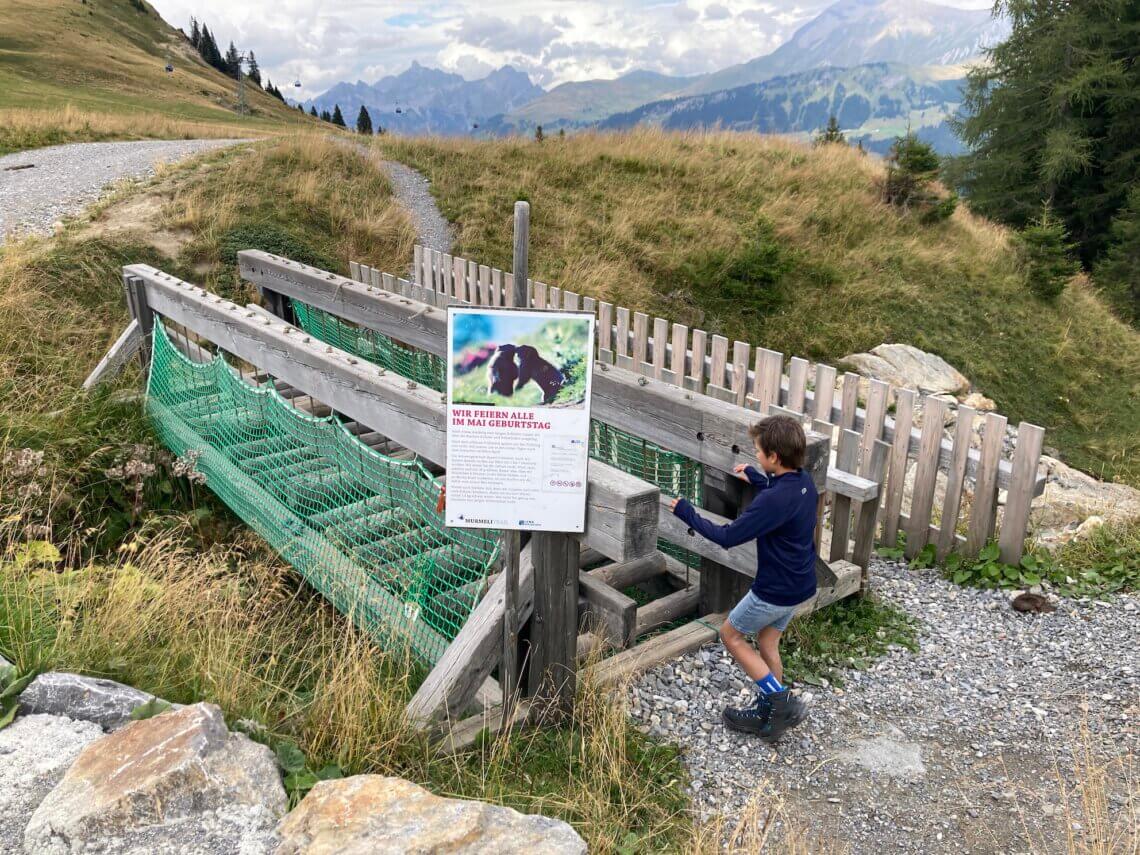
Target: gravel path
956, 747
414, 192
64, 179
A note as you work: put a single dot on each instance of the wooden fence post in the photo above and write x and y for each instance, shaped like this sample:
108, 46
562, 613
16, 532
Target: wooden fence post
1019, 496
554, 624
521, 264
140, 311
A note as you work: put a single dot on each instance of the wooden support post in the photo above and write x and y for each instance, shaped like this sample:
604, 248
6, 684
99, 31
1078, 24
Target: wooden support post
904, 413
1025, 459
984, 507
846, 460
954, 480
867, 513
140, 311
520, 265
925, 476
509, 668
554, 625
608, 611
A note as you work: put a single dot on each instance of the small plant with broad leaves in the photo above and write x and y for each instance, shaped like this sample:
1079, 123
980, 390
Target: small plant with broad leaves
299, 776
11, 684
149, 709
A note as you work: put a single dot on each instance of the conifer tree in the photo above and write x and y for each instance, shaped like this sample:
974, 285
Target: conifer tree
254, 72
1045, 255
1118, 273
364, 121
313, 112
337, 118
538, 135
561, 133
325, 117
830, 134
233, 62
195, 33
1052, 116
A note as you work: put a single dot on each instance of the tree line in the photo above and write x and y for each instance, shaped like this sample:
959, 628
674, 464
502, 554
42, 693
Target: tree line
231, 62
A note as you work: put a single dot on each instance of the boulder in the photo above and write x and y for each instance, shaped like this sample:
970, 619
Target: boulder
104, 702
35, 751
1071, 496
178, 782
374, 815
907, 366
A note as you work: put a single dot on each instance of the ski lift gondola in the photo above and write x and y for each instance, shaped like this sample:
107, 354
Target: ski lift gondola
398, 110
169, 68
297, 84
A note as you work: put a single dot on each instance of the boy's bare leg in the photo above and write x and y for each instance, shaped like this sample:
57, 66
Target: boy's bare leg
768, 640
743, 652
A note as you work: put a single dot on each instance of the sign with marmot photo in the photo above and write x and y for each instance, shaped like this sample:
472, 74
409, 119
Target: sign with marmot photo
518, 418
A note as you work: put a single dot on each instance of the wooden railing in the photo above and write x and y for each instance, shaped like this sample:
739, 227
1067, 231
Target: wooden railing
758, 378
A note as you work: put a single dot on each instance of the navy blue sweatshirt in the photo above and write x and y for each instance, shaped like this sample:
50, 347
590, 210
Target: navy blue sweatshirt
782, 521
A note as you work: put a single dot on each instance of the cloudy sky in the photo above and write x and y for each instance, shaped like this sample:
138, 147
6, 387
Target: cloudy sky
321, 42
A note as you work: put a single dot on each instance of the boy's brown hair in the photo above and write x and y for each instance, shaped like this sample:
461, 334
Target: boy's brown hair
782, 436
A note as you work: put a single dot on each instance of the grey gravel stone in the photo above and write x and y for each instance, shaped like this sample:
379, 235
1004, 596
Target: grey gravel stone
907, 755
414, 192
64, 179
35, 751
104, 702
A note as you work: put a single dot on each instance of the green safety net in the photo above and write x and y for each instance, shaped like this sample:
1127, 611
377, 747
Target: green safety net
674, 473
361, 528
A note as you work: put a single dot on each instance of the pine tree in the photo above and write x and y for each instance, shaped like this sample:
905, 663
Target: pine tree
1045, 253
195, 33
538, 135
208, 49
830, 134
301, 108
313, 112
1052, 116
233, 62
254, 72
337, 118
325, 117
561, 133
1118, 273
910, 182
364, 121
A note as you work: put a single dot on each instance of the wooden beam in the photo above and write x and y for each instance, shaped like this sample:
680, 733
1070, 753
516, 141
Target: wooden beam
661, 648
553, 670
471, 656
125, 346
666, 609
1030, 438
630, 572
609, 611
850, 485
411, 415
463, 734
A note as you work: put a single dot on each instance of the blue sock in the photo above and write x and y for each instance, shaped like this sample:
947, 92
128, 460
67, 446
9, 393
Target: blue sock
769, 685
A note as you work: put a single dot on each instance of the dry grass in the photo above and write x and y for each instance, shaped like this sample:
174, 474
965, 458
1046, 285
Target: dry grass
764, 240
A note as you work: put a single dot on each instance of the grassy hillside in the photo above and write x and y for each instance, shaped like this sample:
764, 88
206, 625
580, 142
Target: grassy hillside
774, 243
95, 69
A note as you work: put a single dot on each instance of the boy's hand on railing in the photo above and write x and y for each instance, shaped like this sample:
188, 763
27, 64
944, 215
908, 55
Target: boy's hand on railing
673, 503
738, 471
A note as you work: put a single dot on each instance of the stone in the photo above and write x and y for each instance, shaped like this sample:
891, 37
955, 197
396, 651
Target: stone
4, 663
979, 402
35, 751
907, 366
1072, 496
375, 815
177, 782
104, 702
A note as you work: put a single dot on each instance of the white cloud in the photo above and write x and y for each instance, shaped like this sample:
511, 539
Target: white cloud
327, 41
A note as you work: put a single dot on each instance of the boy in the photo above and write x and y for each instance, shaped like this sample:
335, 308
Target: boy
781, 519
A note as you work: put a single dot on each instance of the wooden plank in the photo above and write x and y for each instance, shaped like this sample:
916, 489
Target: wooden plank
621, 333
472, 276
125, 346
877, 400
605, 332
661, 648
447, 274
354, 270
858, 488
570, 301
718, 385
520, 243
554, 301
609, 611
589, 304
666, 609
955, 480
1027, 455
766, 391
695, 381
640, 353
496, 287
377, 278
515, 297
623, 574
427, 282
484, 285
846, 460
797, 384
926, 474
824, 392
509, 664
554, 629
849, 401
845, 582
676, 372
541, 295
621, 513
470, 657
459, 279
867, 511
900, 449
740, 353
463, 734
437, 272
660, 346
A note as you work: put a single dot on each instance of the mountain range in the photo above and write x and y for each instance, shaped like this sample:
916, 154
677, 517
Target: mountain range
880, 66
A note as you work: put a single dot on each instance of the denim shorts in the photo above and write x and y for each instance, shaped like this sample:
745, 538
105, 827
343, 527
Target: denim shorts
752, 614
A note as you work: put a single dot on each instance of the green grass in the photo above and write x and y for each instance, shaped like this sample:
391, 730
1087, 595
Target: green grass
773, 243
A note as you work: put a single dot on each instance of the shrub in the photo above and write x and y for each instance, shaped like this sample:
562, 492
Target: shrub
911, 183
831, 134
1045, 255
273, 239
1118, 273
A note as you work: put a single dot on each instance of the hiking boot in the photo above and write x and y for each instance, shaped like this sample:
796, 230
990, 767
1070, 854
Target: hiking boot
787, 711
753, 719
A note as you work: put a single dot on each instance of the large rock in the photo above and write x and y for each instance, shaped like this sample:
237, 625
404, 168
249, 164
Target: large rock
904, 365
1071, 497
104, 702
35, 751
178, 782
373, 815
